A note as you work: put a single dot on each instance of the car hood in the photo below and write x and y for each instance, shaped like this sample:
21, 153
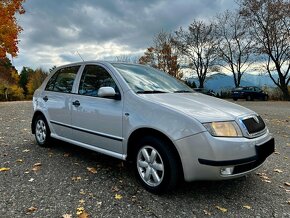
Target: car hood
202, 107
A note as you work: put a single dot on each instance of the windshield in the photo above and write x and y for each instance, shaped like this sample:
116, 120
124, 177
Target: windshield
144, 79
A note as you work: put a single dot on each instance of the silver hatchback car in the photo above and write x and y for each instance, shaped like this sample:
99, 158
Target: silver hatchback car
137, 113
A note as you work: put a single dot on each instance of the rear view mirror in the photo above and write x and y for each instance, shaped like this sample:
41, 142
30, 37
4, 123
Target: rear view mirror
108, 92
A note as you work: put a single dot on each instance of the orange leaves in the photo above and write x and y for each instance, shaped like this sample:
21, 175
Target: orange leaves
31, 210
2, 169
36, 167
162, 55
9, 29
118, 196
92, 170
224, 210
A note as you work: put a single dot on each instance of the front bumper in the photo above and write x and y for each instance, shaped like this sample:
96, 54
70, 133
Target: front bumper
203, 155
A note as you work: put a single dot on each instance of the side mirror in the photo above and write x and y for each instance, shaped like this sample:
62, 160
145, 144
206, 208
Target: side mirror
108, 92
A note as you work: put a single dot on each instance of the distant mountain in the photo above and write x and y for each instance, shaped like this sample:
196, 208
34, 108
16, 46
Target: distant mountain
221, 82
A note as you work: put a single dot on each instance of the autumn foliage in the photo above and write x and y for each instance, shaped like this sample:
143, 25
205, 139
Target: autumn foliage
162, 55
9, 28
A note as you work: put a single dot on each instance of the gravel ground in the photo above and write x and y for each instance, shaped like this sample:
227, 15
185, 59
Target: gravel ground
52, 182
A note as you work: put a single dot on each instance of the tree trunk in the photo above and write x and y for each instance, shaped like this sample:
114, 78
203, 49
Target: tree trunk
286, 95
201, 82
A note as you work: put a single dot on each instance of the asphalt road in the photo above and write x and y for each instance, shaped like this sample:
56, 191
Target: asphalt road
42, 182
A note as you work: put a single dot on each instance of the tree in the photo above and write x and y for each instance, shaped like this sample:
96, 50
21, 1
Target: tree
24, 76
9, 78
52, 69
269, 22
162, 55
235, 45
35, 80
199, 44
127, 59
9, 29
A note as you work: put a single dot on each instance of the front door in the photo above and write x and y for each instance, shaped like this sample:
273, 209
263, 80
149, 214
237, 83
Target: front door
97, 121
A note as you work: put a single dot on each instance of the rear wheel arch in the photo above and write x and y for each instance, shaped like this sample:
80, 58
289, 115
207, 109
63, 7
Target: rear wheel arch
35, 115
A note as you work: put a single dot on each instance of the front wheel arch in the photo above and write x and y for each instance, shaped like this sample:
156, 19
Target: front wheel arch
143, 132
139, 133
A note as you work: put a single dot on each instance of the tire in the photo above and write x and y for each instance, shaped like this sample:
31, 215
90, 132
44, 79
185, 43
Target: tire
42, 131
156, 165
235, 99
249, 98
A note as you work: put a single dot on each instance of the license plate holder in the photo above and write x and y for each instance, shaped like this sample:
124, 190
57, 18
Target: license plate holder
266, 149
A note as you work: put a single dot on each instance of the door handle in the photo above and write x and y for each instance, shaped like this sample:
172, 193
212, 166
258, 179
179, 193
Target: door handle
76, 103
45, 98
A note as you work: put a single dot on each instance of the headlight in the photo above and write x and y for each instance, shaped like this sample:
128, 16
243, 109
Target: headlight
225, 129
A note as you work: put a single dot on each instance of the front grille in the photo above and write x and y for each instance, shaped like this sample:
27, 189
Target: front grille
253, 126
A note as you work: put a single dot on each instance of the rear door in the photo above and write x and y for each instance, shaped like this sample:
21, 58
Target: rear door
56, 99
97, 121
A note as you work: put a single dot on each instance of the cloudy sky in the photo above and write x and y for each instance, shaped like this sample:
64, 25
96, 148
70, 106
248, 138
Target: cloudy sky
55, 30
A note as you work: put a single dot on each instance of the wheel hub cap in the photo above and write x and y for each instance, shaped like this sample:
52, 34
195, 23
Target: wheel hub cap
150, 166
40, 131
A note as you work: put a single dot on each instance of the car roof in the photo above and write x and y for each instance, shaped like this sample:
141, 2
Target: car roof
97, 62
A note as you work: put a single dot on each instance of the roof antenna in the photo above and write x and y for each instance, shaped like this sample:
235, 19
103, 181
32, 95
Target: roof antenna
80, 56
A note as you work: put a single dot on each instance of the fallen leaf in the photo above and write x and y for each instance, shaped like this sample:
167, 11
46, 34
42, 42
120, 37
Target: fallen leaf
224, 210
82, 201
36, 168
287, 183
265, 180
278, 171
84, 214
264, 177
99, 203
76, 178
207, 213
92, 169
2, 169
261, 174
37, 164
118, 196
288, 202
26, 150
31, 209
247, 207
19, 160
82, 192
276, 152
80, 210
66, 216
31, 180
115, 189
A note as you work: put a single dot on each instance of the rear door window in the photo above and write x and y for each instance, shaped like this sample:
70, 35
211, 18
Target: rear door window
62, 80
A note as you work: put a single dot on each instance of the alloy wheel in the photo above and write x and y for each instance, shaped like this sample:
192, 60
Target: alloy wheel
150, 166
40, 131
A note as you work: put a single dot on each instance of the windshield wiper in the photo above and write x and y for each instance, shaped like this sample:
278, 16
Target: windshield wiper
182, 91
150, 92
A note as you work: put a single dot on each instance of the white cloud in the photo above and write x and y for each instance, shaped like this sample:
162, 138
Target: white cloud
100, 29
